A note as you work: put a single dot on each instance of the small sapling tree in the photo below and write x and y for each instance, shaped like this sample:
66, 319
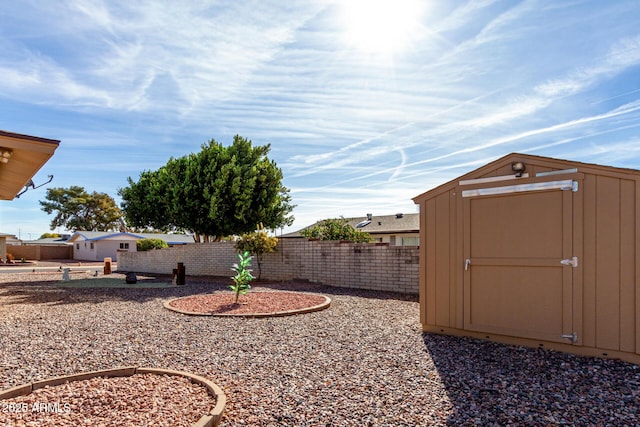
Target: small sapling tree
243, 277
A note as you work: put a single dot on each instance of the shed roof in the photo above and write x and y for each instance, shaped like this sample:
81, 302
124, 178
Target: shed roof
529, 159
382, 224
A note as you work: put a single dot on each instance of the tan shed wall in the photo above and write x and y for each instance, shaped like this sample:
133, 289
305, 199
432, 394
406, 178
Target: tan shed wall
606, 240
440, 271
610, 260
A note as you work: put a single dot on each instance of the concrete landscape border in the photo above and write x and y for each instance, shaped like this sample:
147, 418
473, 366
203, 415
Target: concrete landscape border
210, 419
318, 307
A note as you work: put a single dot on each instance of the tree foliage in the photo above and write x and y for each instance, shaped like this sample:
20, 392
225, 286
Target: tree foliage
50, 236
217, 192
76, 209
257, 243
149, 244
336, 229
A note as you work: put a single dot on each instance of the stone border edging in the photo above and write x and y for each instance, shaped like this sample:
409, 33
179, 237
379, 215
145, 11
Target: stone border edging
211, 419
326, 304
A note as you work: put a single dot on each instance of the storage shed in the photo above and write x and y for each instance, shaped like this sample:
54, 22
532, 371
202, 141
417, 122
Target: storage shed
535, 251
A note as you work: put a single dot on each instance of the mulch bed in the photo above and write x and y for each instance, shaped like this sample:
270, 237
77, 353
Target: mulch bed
261, 302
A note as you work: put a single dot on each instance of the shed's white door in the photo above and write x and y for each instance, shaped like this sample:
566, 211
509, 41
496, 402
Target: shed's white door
514, 282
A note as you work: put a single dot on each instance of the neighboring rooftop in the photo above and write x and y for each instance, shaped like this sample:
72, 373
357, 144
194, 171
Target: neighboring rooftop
372, 224
48, 241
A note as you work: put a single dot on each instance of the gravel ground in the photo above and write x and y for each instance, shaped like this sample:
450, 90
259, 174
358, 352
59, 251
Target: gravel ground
362, 362
137, 400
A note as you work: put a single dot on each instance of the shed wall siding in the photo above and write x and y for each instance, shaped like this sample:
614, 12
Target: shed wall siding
589, 263
422, 273
442, 264
628, 267
607, 262
431, 266
610, 254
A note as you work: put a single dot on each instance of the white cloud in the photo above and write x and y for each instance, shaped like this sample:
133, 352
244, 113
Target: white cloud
206, 51
622, 55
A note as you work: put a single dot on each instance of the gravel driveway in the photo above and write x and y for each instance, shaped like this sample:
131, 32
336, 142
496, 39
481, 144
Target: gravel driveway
362, 362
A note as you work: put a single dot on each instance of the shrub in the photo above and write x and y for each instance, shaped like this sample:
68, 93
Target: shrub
50, 235
148, 244
257, 243
336, 229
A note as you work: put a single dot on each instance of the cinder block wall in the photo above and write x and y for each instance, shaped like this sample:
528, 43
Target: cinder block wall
40, 252
200, 259
342, 264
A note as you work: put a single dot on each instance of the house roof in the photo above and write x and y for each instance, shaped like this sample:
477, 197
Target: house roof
383, 224
502, 166
50, 241
171, 239
22, 156
10, 239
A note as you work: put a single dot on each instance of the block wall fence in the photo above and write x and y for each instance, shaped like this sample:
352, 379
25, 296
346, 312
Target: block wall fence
40, 252
342, 264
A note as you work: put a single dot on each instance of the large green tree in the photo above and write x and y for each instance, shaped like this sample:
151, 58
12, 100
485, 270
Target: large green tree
76, 209
217, 192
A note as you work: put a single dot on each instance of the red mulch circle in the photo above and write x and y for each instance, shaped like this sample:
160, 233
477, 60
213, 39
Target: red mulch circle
260, 303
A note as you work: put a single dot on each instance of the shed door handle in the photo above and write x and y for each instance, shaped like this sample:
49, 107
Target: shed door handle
467, 263
573, 262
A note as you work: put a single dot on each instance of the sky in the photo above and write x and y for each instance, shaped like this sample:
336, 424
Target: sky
365, 104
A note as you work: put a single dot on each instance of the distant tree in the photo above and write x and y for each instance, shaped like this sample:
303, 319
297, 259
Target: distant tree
336, 229
217, 192
50, 236
257, 243
76, 209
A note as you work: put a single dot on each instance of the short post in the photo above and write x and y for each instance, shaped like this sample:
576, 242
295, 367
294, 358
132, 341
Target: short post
65, 274
180, 274
107, 265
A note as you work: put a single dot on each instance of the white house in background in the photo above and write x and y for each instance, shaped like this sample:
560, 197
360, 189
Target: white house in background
98, 245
